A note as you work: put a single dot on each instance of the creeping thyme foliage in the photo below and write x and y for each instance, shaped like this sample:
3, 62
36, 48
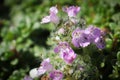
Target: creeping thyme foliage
72, 40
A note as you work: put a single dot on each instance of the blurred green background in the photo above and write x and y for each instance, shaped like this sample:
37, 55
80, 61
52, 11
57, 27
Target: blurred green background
23, 40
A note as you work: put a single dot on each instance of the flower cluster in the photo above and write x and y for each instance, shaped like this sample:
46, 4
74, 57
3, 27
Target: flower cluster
78, 37
52, 17
82, 38
44, 68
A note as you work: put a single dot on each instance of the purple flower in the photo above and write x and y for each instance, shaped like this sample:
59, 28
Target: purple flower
82, 38
68, 55
41, 71
27, 78
56, 75
52, 17
93, 32
53, 10
66, 52
79, 38
45, 67
96, 36
72, 11
100, 43
46, 19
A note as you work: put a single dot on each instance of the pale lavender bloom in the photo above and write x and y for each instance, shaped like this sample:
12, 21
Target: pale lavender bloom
72, 11
66, 52
68, 56
75, 42
96, 36
27, 78
100, 43
75, 37
52, 17
41, 71
79, 38
53, 10
46, 65
93, 32
46, 19
82, 38
56, 75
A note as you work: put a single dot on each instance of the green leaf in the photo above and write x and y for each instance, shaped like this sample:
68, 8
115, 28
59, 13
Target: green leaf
102, 64
118, 56
14, 62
